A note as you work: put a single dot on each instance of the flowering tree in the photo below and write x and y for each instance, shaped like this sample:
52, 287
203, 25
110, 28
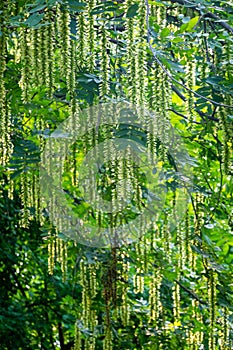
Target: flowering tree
171, 288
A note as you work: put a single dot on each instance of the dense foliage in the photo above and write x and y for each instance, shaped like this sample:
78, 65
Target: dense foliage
172, 289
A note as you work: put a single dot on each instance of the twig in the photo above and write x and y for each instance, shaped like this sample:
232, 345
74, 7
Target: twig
206, 43
182, 115
190, 292
210, 117
183, 98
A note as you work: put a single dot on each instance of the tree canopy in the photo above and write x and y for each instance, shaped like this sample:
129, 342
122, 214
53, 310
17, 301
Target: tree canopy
172, 287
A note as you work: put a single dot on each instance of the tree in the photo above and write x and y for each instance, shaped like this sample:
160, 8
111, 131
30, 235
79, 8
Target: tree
172, 288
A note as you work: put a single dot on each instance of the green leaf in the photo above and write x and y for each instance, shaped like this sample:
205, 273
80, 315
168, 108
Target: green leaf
34, 19
76, 5
132, 11
192, 23
37, 8
165, 32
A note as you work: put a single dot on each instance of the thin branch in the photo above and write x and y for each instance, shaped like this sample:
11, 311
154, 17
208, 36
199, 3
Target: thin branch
182, 115
219, 192
171, 78
204, 115
220, 21
206, 44
183, 98
190, 292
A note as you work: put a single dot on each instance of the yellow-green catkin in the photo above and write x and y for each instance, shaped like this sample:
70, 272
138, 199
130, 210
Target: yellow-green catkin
187, 250
50, 42
139, 275
191, 83
124, 309
131, 60
25, 199
43, 63
72, 77
228, 67
91, 36
36, 194
104, 64
36, 56
63, 259
226, 141
160, 100
181, 245
77, 337
89, 290
176, 302
65, 44
40, 125
212, 308
6, 129
198, 221
166, 236
107, 343
51, 252
6, 147
25, 54
81, 30
194, 339
223, 333
141, 64
39, 53
3, 101
154, 297
198, 214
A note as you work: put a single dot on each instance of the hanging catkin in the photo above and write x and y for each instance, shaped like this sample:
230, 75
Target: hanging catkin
25, 199
65, 43
191, 82
212, 308
89, 290
91, 36
25, 55
124, 308
131, 61
139, 275
49, 36
226, 140
3, 101
225, 331
6, 146
81, 30
141, 65
104, 65
51, 252
77, 337
155, 297
176, 301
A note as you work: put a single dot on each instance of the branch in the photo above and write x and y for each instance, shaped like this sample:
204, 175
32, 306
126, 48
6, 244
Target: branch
210, 117
181, 96
221, 22
190, 292
171, 78
61, 336
182, 115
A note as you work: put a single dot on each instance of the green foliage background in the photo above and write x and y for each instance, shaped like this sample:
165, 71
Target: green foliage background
174, 57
